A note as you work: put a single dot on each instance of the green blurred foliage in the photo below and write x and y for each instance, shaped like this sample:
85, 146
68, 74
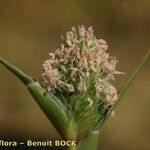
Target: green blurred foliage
30, 29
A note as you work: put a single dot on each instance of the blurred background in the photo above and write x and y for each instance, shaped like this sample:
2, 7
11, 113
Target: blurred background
30, 29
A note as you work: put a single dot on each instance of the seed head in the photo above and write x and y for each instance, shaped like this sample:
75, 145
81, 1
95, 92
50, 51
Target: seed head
83, 69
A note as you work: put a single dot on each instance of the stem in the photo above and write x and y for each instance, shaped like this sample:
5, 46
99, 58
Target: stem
71, 148
90, 142
126, 86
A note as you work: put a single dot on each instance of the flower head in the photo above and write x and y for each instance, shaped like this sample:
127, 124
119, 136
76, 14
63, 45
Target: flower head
82, 69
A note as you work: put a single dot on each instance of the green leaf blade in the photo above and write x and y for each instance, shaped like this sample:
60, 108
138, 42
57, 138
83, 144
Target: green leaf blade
126, 86
22, 76
55, 112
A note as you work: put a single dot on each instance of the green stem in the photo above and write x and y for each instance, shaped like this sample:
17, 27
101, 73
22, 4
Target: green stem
71, 148
126, 86
90, 142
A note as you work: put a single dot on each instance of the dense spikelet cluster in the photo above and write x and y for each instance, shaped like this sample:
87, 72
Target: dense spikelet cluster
82, 64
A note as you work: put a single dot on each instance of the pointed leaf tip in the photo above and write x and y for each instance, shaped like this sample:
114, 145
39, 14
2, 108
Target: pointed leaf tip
21, 75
